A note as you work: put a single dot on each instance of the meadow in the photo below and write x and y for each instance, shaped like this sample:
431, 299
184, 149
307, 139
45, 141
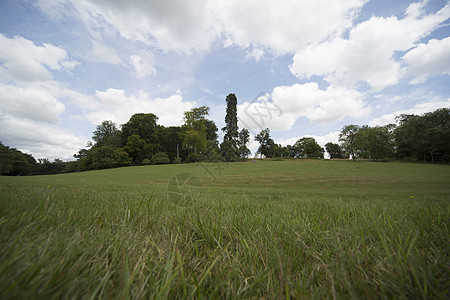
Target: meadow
257, 229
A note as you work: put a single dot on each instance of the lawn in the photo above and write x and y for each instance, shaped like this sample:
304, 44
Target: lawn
256, 229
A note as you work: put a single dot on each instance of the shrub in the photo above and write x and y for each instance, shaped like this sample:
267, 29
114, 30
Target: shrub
146, 161
160, 158
177, 160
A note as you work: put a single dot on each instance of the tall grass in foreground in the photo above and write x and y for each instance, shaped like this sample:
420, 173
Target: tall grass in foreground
86, 242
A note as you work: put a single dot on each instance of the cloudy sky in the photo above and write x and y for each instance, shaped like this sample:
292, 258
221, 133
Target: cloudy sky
298, 67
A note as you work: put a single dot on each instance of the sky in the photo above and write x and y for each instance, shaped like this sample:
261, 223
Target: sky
299, 68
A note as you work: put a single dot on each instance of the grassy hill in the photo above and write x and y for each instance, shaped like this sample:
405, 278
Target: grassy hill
256, 229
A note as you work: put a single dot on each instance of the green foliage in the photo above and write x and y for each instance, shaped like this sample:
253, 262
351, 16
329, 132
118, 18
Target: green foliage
335, 150
244, 138
138, 149
107, 134
195, 118
45, 166
229, 146
194, 140
425, 137
348, 138
211, 132
106, 157
266, 143
143, 125
177, 160
376, 142
146, 162
199, 130
13, 162
307, 147
160, 158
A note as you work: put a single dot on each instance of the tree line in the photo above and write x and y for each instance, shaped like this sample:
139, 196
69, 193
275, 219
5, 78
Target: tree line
142, 141
414, 138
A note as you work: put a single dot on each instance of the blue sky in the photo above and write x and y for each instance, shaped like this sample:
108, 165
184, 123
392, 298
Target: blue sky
300, 68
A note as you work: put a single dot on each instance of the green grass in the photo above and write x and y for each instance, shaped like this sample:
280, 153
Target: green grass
265, 229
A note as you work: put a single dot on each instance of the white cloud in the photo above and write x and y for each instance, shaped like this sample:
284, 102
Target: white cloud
417, 109
320, 106
40, 140
142, 68
116, 106
285, 26
426, 60
21, 60
263, 113
368, 53
185, 26
35, 103
286, 104
180, 26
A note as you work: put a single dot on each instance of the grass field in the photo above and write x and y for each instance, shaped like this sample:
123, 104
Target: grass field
261, 229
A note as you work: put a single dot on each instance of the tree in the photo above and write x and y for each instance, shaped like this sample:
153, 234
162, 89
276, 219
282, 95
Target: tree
308, 147
106, 157
244, 138
211, 132
280, 151
194, 140
377, 142
138, 149
107, 133
348, 137
195, 117
143, 125
266, 143
194, 121
229, 146
335, 150
172, 141
438, 134
424, 137
14, 162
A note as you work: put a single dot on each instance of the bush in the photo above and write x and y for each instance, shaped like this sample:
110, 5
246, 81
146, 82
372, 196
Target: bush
160, 158
177, 160
195, 157
146, 161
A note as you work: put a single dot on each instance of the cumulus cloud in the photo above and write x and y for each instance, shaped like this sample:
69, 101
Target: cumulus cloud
368, 53
280, 109
262, 23
185, 26
31, 103
263, 113
22, 60
115, 105
41, 140
142, 68
426, 60
417, 109
320, 106
174, 25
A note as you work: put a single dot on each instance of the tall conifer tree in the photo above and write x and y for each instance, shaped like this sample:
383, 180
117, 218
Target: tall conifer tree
229, 146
